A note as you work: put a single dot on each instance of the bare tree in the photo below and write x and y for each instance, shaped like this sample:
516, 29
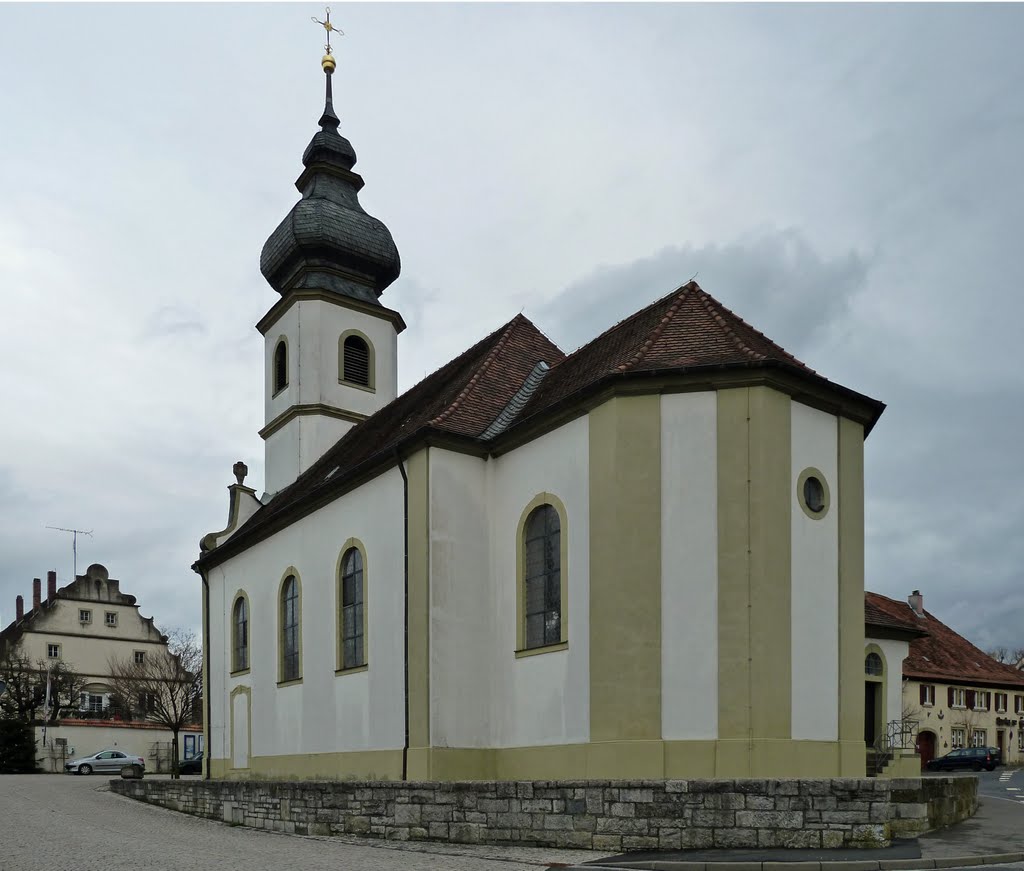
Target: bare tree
1000, 654
26, 682
161, 684
21, 699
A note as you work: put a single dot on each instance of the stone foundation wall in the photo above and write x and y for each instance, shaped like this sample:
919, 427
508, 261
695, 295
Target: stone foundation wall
611, 816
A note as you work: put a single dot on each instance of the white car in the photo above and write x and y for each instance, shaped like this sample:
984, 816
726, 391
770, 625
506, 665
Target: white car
105, 761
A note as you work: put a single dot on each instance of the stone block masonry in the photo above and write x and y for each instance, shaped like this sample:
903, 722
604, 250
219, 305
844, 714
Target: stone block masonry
607, 815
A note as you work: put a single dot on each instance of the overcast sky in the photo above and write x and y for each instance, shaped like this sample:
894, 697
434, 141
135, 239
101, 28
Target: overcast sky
847, 178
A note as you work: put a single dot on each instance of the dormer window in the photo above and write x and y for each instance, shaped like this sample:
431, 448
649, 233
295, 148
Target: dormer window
280, 366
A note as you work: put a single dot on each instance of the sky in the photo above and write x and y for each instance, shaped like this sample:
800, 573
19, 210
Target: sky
847, 178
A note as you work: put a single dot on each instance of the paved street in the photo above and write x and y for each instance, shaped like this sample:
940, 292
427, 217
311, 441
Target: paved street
65, 823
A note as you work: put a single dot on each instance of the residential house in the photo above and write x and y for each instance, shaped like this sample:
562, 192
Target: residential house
954, 693
86, 626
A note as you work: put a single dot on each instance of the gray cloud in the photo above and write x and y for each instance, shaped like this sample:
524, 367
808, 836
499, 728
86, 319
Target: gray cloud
827, 171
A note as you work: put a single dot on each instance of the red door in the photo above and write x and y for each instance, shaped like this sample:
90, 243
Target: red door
926, 747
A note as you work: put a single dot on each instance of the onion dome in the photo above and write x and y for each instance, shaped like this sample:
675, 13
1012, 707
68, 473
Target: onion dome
327, 241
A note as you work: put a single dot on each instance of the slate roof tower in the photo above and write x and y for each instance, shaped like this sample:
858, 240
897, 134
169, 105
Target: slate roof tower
331, 347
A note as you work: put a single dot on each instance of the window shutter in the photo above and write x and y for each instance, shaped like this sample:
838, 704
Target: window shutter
924, 693
970, 698
950, 701
357, 361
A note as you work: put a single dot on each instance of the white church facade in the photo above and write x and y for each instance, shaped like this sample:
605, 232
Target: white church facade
643, 559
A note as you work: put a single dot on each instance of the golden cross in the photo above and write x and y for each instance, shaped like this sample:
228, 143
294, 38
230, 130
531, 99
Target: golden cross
330, 28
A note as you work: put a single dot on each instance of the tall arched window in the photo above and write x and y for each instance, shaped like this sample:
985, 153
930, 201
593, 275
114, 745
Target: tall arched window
290, 629
543, 577
353, 647
240, 634
280, 366
356, 360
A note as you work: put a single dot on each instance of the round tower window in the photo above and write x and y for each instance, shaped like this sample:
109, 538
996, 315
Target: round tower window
812, 493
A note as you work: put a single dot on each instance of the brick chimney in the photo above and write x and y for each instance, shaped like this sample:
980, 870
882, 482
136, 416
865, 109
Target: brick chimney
916, 601
51, 586
19, 606
36, 592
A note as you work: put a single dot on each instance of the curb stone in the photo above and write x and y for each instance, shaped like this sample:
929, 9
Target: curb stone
879, 865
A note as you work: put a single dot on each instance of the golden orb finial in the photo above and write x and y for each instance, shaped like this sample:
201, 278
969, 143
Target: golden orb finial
327, 62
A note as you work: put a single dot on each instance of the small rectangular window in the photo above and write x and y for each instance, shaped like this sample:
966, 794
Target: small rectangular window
957, 738
928, 695
1018, 705
958, 698
1000, 703
84, 615
140, 657
978, 738
1020, 740
95, 703
53, 651
110, 618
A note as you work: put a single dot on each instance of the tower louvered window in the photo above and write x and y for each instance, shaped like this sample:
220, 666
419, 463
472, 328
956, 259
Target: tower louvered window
356, 361
543, 581
280, 366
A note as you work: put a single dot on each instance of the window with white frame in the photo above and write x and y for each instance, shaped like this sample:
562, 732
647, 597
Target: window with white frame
979, 738
957, 699
110, 618
53, 651
957, 737
92, 702
84, 615
140, 657
1020, 740
982, 701
1018, 704
928, 694
1001, 703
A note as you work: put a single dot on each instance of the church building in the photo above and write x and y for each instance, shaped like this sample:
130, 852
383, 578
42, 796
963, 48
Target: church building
641, 559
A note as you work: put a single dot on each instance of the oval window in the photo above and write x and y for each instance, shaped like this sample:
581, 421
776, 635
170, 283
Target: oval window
814, 494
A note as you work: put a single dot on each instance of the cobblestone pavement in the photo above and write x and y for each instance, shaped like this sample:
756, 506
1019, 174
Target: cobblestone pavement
65, 823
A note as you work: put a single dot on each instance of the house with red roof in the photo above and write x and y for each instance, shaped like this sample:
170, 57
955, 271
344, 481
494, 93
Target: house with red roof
953, 694
640, 559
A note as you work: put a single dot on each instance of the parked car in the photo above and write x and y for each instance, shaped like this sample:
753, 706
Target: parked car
106, 761
974, 758
193, 765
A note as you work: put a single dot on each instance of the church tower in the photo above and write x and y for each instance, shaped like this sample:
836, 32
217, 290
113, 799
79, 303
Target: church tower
331, 348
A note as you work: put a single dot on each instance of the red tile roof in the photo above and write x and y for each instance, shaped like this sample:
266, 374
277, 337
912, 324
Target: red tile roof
688, 328
944, 654
683, 331
887, 614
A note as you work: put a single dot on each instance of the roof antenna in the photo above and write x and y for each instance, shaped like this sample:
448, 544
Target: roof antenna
74, 545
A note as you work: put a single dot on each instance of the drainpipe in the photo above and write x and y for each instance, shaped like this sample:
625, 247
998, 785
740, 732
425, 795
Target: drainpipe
405, 622
207, 695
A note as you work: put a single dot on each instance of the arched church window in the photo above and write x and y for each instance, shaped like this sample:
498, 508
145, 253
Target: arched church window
543, 577
356, 360
290, 636
280, 366
353, 614
240, 634
873, 664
